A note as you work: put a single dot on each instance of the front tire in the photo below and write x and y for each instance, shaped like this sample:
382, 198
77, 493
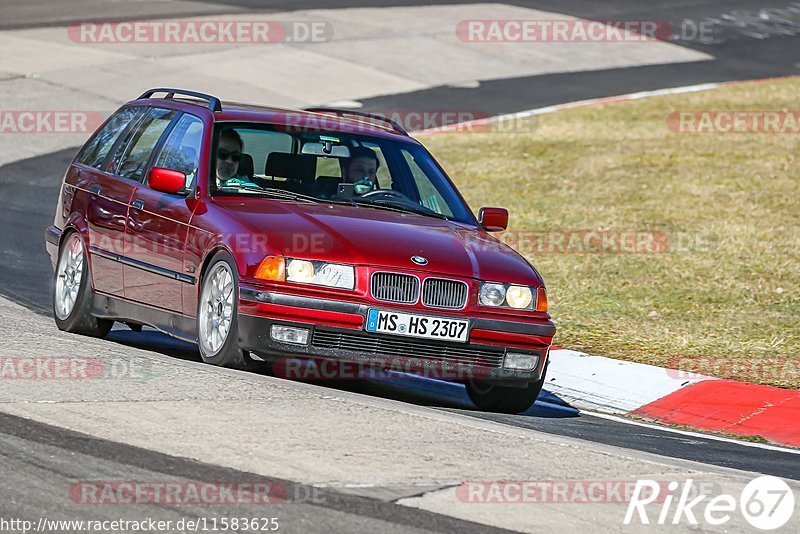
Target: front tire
217, 316
503, 399
72, 291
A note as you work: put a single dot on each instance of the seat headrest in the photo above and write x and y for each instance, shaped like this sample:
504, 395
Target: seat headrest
294, 166
246, 165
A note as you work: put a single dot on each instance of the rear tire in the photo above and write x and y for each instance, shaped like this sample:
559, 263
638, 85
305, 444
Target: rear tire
72, 291
503, 399
217, 316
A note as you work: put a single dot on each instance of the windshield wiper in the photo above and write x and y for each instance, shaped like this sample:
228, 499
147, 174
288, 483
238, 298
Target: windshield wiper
271, 192
398, 206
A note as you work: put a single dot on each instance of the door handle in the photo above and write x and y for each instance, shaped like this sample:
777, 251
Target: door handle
95, 189
138, 204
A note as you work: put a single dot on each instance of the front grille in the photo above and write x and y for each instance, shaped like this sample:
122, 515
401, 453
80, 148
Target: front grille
393, 287
441, 293
378, 345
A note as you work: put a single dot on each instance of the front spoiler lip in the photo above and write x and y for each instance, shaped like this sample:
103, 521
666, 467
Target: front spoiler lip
544, 329
52, 235
254, 336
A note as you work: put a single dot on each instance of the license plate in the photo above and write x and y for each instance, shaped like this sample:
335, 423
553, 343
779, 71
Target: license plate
406, 324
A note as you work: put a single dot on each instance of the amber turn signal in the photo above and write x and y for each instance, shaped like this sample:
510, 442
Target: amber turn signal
272, 268
541, 299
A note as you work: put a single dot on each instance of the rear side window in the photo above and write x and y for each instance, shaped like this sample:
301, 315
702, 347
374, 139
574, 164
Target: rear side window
181, 151
95, 152
133, 162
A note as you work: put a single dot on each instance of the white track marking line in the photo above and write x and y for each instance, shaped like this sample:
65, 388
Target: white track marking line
620, 419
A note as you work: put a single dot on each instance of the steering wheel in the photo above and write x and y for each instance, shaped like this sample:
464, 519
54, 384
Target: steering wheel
388, 193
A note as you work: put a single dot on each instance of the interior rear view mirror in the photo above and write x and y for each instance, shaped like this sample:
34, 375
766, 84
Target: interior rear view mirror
325, 149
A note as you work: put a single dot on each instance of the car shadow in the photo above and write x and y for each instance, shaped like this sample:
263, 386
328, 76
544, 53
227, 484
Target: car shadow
441, 394
397, 386
155, 341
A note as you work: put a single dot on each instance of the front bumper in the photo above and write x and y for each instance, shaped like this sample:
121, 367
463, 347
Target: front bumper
52, 237
336, 332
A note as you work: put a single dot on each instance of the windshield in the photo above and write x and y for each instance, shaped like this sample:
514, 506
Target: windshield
363, 171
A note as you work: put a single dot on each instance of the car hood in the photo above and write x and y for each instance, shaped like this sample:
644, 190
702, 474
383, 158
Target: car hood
381, 238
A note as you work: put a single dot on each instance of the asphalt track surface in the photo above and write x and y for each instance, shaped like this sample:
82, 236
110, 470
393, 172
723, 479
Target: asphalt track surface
28, 191
42, 462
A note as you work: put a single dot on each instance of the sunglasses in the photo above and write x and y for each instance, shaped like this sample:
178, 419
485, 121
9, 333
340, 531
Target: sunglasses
225, 154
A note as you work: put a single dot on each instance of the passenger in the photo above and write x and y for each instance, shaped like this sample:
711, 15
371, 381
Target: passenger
361, 169
229, 153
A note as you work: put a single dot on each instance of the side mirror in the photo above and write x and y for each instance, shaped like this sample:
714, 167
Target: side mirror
166, 180
493, 219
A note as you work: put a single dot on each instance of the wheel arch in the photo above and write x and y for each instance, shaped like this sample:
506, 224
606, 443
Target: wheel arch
206, 263
77, 225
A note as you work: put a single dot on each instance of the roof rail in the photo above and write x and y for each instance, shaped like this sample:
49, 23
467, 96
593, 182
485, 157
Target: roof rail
214, 103
344, 112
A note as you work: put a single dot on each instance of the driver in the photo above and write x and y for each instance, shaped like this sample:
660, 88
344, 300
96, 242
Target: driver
361, 169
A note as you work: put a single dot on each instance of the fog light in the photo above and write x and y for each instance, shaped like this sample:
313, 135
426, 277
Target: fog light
521, 362
289, 334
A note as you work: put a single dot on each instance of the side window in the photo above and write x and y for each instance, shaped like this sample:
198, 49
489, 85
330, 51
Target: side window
133, 162
429, 196
95, 152
181, 152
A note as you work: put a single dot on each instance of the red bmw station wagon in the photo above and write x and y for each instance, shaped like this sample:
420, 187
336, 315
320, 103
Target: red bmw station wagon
261, 233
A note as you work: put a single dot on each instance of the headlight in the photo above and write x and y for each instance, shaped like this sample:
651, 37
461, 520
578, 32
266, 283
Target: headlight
300, 271
507, 295
519, 297
321, 273
492, 294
